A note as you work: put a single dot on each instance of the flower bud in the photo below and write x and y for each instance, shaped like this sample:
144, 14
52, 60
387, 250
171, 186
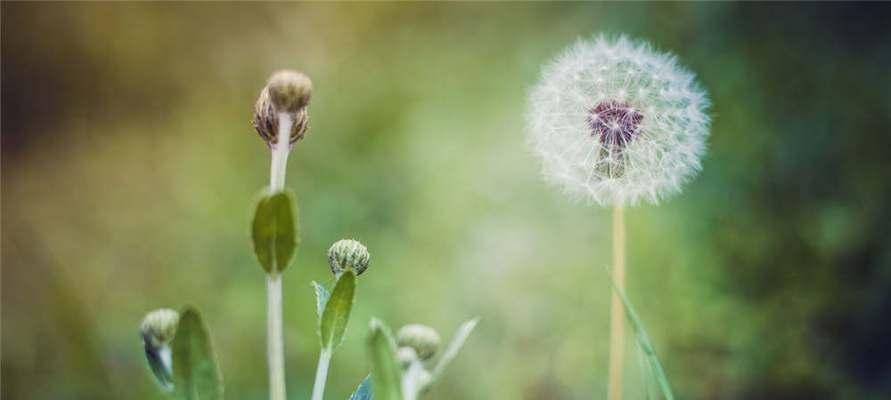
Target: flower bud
423, 339
348, 254
159, 326
287, 93
406, 356
158, 329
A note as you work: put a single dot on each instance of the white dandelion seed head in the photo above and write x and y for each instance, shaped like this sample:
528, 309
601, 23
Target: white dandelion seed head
617, 123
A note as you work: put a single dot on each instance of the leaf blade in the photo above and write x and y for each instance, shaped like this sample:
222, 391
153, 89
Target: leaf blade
196, 373
646, 346
336, 315
386, 373
363, 391
454, 346
322, 295
274, 231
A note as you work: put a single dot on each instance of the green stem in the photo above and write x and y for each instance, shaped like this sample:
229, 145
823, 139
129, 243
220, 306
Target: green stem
318, 389
275, 341
280, 152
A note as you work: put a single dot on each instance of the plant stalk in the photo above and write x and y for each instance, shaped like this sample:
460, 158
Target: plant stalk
275, 342
617, 314
275, 348
411, 381
318, 388
280, 151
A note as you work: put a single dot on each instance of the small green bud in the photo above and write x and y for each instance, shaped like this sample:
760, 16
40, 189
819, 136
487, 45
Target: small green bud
159, 326
288, 92
348, 254
158, 329
423, 339
406, 356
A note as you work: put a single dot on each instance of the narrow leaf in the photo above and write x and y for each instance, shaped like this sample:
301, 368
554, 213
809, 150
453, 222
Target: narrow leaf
363, 392
322, 295
274, 231
336, 315
386, 373
159, 361
454, 346
196, 375
643, 340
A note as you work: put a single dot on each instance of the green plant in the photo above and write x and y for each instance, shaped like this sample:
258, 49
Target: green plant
178, 345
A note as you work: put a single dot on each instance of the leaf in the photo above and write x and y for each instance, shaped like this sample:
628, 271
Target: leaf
336, 315
386, 373
196, 375
159, 361
274, 231
454, 346
643, 340
363, 392
322, 295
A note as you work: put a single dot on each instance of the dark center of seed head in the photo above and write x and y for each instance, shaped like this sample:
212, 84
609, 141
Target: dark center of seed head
615, 123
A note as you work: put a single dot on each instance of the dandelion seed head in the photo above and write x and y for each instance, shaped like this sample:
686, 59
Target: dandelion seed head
615, 122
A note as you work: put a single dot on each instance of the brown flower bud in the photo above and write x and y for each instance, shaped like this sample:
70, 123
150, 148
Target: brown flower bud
287, 92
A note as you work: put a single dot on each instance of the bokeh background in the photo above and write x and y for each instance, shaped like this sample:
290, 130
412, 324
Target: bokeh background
129, 169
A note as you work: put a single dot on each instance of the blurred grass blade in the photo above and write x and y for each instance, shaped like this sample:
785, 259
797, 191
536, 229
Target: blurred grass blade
274, 231
643, 340
646, 377
454, 346
363, 392
196, 375
336, 315
322, 295
386, 373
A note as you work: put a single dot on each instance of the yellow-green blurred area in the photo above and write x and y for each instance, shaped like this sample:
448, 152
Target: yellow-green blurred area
130, 169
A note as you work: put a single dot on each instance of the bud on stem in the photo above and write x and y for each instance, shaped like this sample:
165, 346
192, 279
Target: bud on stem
346, 254
281, 118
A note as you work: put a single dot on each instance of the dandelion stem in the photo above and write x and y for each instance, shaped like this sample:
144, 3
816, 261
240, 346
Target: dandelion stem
617, 314
318, 388
275, 342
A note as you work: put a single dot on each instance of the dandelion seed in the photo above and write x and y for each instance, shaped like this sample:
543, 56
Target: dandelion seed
617, 123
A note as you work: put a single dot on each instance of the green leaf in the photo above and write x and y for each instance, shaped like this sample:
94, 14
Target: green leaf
196, 375
363, 392
643, 340
336, 315
157, 362
454, 346
322, 295
274, 231
386, 373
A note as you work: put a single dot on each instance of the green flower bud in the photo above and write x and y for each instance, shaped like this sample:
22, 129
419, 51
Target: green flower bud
287, 93
423, 339
158, 329
159, 326
348, 254
406, 356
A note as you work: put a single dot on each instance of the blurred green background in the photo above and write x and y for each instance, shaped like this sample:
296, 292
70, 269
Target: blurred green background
129, 168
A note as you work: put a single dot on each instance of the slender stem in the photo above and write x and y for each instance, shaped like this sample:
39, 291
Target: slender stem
413, 380
280, 151
275, 348
617, 315
275, 342
318, 389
